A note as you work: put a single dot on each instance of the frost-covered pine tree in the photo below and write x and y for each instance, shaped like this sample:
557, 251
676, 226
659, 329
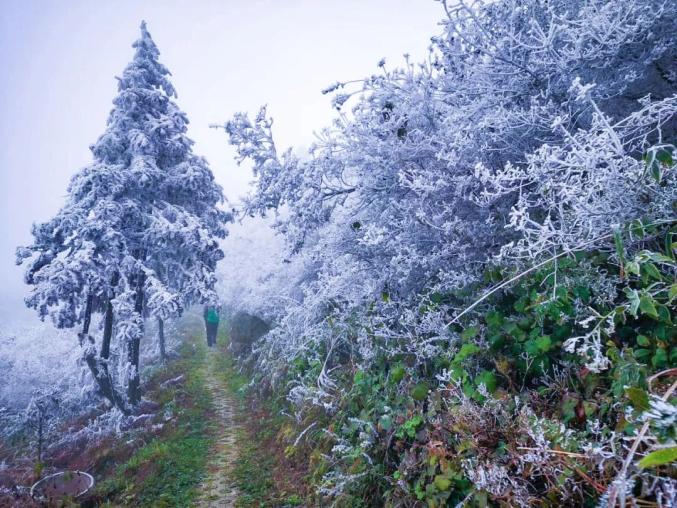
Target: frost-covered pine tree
138, 233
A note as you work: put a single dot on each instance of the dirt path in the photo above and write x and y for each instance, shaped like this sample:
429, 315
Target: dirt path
217, 490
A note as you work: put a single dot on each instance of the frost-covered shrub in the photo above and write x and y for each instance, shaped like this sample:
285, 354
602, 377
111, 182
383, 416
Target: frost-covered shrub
498, 216
27, 365
33, 373
509, 142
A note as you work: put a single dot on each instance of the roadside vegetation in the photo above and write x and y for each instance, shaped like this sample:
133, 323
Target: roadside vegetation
475, 304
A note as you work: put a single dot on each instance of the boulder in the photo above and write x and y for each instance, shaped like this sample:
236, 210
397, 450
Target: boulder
244, 330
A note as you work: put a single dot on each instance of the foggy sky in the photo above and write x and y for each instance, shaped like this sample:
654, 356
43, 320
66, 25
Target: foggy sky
58, 60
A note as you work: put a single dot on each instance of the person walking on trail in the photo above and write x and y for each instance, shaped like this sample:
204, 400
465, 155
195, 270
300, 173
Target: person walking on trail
211, 315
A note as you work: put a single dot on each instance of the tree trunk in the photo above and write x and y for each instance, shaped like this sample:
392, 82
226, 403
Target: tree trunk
99, 366
161, 333
40, 437
133, 393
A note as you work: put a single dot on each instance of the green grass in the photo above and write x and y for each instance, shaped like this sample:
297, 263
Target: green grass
253, 472
166, 471
257, 464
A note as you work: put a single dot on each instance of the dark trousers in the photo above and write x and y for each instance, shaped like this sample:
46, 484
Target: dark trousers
211, 333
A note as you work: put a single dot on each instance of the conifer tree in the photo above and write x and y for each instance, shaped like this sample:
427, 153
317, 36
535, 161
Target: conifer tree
138, 234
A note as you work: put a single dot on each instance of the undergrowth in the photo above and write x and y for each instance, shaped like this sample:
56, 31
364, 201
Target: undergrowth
557, 391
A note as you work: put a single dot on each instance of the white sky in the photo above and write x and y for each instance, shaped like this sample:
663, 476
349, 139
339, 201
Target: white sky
58, 60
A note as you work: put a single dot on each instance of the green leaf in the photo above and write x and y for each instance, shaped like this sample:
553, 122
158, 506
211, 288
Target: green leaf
488, 379
618, 242
520, 305
633, 299
665, 156
466, 351
664, 314
642, 354
568, 409
443, 484
659, 457
494, 318
386, 422
656, 158
646, 305
632, 267
397, 374
660, 358
637, 228
470, 333
582, 292
543, 343
420, 391
655, 171
638, 397
652, 271
643, 340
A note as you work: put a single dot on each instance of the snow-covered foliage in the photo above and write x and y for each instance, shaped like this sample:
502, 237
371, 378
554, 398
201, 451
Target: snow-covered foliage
138, 232
46, 387
533, 130
257, 276
522, 135
31, 366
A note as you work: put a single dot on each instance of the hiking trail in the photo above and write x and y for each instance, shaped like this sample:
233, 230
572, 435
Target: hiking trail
218, 488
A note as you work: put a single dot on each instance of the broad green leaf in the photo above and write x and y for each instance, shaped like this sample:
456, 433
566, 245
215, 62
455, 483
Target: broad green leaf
442, 483
633, 299
397, 374
643, 340
466, 351
488, 379
543, 343
646, 305
632, 267
664, 314
664, 155
652, 271
659, 457
420, 391
673, 291
642, 354
656, 171
386, 422
637, 228
638, 397
660, 358
470, 333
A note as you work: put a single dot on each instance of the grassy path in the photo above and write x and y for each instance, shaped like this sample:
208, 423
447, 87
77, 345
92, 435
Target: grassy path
214, 446
218, 488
